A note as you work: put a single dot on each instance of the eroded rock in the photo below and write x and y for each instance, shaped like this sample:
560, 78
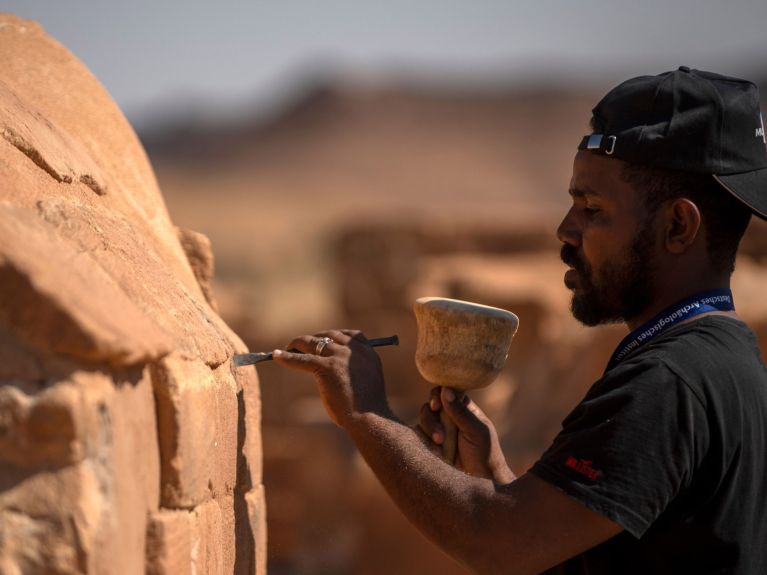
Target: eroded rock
118, 400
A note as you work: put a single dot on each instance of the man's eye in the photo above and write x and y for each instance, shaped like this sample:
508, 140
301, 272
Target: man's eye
590, 210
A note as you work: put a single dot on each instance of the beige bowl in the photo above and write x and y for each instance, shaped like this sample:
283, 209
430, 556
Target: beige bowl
462, 345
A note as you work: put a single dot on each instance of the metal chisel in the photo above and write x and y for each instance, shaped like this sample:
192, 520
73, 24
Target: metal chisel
241, 359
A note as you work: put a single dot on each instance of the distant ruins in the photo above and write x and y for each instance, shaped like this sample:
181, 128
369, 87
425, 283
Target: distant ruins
128, 443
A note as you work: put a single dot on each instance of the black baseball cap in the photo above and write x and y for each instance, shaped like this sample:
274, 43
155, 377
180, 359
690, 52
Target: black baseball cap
692, 121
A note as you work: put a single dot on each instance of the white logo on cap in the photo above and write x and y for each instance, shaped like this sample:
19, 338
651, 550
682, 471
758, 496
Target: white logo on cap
760, 130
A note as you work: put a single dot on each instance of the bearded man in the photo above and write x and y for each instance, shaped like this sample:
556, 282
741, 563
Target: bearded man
660, 468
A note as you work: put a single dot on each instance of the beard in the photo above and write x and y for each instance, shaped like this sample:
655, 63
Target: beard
621, 289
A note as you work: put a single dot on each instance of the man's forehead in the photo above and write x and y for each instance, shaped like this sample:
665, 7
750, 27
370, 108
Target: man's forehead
595, 175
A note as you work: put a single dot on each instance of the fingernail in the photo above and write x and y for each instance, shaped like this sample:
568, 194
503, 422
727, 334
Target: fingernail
433, 404
277, 353
436, 437
449, 395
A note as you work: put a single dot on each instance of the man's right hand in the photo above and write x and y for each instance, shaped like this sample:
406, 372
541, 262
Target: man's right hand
479, 450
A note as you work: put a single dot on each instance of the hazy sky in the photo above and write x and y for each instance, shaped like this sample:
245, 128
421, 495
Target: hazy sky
152, 52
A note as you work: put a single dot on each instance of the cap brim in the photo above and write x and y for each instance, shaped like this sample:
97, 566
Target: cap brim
749, 187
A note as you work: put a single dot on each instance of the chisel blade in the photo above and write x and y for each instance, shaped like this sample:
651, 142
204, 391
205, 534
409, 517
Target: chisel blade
241, 359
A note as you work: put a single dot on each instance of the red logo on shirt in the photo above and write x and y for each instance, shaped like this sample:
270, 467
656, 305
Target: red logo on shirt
583, 466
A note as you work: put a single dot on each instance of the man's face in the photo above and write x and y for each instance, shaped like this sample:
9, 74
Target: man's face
609, 243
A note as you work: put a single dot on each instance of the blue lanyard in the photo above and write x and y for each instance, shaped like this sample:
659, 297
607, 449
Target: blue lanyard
704, 302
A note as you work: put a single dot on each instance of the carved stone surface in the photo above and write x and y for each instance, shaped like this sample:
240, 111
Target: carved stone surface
118, 401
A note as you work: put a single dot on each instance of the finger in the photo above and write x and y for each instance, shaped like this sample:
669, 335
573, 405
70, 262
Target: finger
336, 335
429, 422
304, 344
338, 341
301, 361
476, 411
312, 344
435, 401
465, 418
346, 338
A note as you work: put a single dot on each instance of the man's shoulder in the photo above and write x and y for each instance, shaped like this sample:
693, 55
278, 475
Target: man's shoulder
705, 342
711, 356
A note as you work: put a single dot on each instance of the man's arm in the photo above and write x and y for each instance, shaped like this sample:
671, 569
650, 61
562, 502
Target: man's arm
525, 526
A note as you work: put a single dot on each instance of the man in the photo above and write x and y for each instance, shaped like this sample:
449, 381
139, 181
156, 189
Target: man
660, 468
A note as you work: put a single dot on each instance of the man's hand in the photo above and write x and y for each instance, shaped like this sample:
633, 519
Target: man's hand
479, 451
348, 373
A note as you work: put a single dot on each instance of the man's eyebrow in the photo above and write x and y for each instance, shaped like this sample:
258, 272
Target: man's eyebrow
582, 192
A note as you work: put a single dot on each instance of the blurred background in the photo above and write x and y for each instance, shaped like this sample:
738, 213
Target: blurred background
348, 157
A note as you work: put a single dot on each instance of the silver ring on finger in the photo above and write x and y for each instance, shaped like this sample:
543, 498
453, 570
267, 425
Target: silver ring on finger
322, 343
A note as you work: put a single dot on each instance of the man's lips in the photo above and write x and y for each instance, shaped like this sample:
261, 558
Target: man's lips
571, 276
569, 256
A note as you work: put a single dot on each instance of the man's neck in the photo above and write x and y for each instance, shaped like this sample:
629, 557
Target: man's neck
669, 297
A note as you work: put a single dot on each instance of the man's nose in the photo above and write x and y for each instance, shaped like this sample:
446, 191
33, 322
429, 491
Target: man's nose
568, 231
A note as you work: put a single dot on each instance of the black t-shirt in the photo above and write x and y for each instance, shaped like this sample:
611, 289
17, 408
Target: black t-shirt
671, 445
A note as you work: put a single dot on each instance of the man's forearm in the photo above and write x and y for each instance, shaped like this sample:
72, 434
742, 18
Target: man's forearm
441, 501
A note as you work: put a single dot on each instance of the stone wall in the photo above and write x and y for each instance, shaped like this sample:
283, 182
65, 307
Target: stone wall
128, 442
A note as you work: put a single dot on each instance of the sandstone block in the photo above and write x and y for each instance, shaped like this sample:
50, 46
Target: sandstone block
88, 488
79, 417
256, 502
42, 430
45, 145
200, 255
61, 522
134, 460
249, 398
227, 413
42, 298
169, 543
36, 545
230, 544
208, 539
197, 423
181, 542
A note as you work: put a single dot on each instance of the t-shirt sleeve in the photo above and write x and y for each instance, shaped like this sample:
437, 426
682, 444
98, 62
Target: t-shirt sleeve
630, 446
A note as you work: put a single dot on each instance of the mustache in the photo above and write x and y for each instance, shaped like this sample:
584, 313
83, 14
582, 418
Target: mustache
569, 255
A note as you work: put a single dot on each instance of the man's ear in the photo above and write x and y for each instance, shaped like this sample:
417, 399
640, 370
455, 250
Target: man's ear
682, 225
